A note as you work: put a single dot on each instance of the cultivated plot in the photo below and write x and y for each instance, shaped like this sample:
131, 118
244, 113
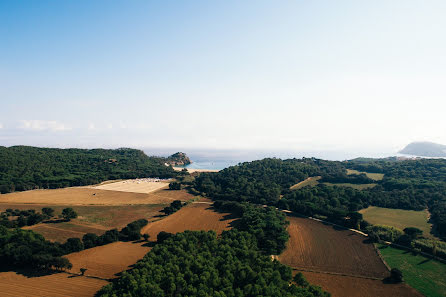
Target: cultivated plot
315, 246
107, 260
341, 286
195, 217
54, 285
140, 185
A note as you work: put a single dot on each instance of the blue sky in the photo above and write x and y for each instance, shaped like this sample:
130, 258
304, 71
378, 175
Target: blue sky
293, 75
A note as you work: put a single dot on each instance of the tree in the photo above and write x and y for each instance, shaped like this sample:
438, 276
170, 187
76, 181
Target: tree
162, 236
82, 270
69, 213
396, 275
146, 236
300, 280
90, 240
48, 211
73, 245
413, 232
174, 186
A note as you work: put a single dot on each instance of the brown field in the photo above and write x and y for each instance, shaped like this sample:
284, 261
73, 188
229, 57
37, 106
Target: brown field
195, 217
89, 196
107, 260
62, 231
54, 285
319, 247
92, 219
133, 186
341, 286
311, 181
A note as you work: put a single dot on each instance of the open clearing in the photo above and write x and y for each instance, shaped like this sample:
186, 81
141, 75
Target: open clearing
141, 185
89, 196
318, 247
107, 260
194, 217
311, 181
398, 218
54, 285
424, 274
374, 176
341, 286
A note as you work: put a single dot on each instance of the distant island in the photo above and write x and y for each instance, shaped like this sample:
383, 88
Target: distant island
178, 159
425, 149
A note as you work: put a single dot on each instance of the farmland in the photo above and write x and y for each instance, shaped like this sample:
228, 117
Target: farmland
423, 274
142, 185
107, 260
318, 247
90, 196
398, 218
374, 176
55, 285
196, 216
311, 181
341, 286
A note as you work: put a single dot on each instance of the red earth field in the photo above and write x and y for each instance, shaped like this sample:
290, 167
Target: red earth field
54, 285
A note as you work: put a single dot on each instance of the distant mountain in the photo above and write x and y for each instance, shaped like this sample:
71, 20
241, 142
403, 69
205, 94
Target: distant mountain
425, 149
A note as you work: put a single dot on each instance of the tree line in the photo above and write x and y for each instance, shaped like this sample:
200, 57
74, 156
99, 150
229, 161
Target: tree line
26, 168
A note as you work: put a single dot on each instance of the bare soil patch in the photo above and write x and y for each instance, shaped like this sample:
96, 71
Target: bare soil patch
54, 285
107, 260
143, 185
89, 196
319, 247
195, 217
341, 286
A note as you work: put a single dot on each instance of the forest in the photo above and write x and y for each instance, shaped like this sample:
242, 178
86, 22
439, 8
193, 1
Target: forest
198, 263
26, 168
407, 184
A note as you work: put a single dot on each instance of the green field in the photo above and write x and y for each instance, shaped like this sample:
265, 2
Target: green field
423, 274
374, 176
354, 186
311, 181
398, 218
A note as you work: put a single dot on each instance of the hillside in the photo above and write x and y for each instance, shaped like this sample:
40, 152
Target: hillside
25, 168
424, 149
178, 159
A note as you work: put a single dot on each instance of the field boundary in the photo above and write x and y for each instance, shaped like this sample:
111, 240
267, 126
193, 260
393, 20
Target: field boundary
334, 273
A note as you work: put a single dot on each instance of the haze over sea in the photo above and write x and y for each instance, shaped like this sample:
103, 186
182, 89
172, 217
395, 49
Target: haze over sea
220, 159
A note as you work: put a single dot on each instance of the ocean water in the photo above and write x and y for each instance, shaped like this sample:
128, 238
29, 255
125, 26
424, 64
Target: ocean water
220, 159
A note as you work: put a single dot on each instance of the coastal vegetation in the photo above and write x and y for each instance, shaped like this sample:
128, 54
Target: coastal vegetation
25, 168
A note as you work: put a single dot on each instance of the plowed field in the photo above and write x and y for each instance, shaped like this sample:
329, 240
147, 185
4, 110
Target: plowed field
195, 217
342, 286
319, 247
89, 196
54, 285
107, 260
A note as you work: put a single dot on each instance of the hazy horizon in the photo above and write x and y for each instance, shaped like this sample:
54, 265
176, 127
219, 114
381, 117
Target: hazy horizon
290, 76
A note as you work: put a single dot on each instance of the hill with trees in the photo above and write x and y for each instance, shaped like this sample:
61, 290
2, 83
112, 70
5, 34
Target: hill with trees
424, 149
407, 184
26, 168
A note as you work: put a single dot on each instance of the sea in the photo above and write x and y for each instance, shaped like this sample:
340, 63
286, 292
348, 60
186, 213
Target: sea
220, 159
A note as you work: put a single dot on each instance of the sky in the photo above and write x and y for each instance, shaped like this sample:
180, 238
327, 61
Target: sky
266, 75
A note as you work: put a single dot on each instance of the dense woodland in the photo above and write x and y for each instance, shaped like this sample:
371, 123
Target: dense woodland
407, 184
25, 168
201, 264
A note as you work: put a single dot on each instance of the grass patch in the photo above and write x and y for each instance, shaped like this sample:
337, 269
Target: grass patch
354, 186
311, 181
424, 274
398, 218
374, 176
